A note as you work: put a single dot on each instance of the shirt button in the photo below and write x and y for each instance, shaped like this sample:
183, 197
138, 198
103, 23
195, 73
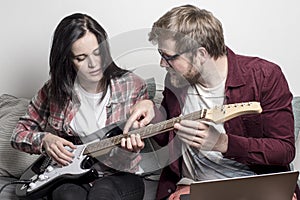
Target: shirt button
169, 191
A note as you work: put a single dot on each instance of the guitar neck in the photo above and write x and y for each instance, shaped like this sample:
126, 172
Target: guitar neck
144, 132
217, 115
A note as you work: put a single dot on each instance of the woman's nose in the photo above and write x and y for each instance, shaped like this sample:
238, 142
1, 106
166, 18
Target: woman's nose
91, 62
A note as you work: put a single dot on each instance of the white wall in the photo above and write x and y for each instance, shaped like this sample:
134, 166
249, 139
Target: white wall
268, 29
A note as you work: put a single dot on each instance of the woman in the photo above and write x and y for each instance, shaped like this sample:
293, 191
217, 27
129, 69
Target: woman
86, 92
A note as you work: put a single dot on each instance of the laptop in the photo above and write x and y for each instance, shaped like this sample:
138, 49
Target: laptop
275, 186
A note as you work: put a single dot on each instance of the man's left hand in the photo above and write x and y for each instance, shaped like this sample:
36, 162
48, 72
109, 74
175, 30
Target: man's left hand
201, 136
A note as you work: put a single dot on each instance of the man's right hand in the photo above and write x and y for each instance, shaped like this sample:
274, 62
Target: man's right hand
180, 190
141, 115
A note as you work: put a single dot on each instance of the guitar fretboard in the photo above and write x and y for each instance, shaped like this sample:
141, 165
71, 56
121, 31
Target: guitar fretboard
144, 132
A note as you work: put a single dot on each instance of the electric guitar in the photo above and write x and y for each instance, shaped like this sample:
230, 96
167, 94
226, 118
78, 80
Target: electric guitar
44, 174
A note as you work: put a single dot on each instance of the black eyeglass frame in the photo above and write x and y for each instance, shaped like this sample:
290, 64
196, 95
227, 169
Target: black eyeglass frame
170, 58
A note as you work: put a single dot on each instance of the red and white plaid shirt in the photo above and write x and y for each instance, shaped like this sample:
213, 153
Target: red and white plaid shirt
43, 115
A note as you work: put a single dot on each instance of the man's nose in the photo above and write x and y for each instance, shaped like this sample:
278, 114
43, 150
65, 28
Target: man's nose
164, 63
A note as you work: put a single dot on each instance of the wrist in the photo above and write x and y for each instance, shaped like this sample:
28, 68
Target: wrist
222, 144
42, 146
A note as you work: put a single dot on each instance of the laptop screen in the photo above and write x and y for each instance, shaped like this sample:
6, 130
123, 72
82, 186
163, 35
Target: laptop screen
275, 186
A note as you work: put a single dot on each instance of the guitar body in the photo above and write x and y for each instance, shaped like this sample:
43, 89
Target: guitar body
47, 175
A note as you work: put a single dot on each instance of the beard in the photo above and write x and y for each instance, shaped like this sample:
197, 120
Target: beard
187, 79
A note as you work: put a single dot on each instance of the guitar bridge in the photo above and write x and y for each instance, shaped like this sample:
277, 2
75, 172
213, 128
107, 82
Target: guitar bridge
41, 164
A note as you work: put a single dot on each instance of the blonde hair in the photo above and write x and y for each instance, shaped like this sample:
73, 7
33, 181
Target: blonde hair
191, 28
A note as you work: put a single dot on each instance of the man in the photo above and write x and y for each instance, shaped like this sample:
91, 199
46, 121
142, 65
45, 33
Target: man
202, 73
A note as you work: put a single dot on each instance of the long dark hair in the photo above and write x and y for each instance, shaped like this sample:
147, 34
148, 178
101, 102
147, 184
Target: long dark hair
62, 70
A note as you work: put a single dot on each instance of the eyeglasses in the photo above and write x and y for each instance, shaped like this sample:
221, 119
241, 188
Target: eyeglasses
170, 58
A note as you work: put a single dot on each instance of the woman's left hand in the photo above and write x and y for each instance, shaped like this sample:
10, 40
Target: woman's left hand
133, 143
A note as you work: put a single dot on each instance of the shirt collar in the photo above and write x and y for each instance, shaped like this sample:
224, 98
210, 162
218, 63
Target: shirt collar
235, 75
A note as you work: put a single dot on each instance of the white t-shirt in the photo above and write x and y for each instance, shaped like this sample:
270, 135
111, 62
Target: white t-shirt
207, 165
91, 115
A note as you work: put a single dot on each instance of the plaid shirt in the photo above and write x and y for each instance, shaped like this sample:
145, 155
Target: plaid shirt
44, 116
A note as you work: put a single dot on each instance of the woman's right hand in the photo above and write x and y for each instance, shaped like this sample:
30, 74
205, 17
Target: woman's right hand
55, 147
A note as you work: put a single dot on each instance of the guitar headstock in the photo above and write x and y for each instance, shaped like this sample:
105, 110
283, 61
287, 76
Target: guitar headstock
223, 113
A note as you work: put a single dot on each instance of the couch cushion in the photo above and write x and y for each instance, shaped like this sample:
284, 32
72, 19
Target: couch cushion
296, 111
13, 162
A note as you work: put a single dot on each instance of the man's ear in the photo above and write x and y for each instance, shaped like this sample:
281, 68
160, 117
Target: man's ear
202, 55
